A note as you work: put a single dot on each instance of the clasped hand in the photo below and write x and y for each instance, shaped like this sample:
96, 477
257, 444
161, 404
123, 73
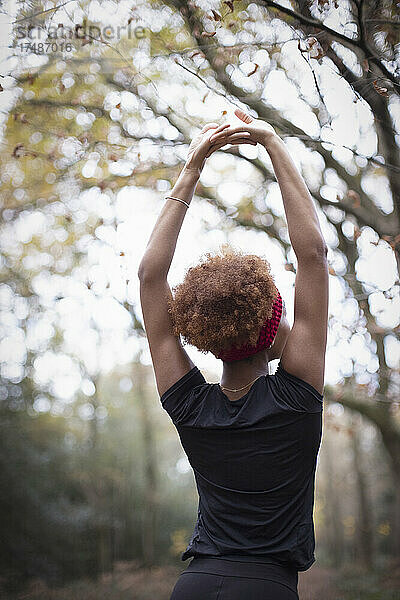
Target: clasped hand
213, 137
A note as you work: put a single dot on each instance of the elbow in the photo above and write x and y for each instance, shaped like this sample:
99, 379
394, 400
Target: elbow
140, 272
147, 274
143, 274
316, 252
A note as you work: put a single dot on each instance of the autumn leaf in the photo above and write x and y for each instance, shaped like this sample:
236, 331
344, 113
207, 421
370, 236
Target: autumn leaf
224, 112
118, 105
312, 47
355, 197
122, 253
18, 151
208, 33
229, 4
317, 53
381, 90
331, 271
84, 138
357, 233
196, 53
311, 41
132, 17
289, 267
20, 117
216, 15
205, 96
254, 70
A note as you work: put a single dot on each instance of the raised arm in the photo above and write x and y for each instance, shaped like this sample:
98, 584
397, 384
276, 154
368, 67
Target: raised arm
170, 360
303, 225
304, 352
302, 220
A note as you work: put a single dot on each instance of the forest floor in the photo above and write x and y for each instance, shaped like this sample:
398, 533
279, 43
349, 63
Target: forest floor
128, 582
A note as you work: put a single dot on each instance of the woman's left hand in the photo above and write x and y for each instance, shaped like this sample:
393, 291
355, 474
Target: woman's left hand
201, 147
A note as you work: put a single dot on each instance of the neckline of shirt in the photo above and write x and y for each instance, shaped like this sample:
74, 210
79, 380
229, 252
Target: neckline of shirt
242, 398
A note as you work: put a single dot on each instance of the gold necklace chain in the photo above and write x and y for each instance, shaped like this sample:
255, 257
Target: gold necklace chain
239, 389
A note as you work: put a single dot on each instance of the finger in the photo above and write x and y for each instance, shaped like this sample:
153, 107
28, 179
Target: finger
235, 142
229, 135
213, 126
222, 134
242, 115
208, 126
230, 139
220, 128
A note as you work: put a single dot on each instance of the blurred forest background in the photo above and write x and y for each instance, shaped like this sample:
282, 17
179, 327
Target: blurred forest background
96, 496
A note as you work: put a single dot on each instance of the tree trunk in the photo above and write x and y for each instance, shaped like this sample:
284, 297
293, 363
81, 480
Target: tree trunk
149, 509
365, 541
335, 526
380, 415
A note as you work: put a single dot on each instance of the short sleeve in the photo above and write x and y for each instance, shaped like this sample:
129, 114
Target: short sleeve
294, 393
179, 399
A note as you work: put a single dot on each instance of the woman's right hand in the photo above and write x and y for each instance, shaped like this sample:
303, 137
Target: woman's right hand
260, 131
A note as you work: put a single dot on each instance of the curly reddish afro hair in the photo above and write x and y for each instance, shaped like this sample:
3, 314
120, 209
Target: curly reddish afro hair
223, 301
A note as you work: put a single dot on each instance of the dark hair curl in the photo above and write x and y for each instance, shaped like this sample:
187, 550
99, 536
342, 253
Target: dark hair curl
223, 301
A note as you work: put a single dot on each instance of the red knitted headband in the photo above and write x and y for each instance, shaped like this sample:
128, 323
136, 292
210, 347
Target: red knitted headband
265, 339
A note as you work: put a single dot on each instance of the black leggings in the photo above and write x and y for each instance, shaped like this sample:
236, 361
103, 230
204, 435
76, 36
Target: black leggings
197, 585
205, 586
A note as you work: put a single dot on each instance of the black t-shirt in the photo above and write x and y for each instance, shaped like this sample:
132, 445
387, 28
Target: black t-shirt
254, 463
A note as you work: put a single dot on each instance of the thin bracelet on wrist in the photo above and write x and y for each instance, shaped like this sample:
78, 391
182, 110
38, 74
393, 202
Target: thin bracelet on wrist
191, 170
179, 200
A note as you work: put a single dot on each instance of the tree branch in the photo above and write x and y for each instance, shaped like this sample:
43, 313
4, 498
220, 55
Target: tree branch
357, 43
